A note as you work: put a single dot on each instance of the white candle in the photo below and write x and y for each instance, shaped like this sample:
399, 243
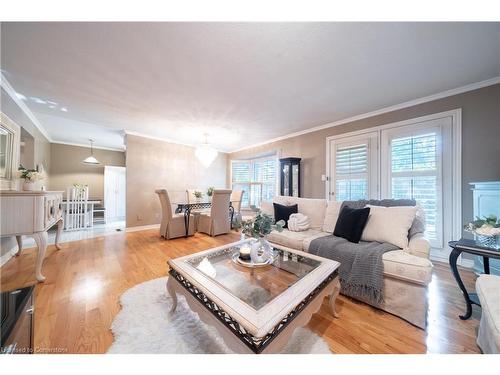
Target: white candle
245, 252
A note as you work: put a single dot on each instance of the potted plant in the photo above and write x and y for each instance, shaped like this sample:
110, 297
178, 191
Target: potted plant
198, 195
210, 192
30, 176
487, 230
258, 228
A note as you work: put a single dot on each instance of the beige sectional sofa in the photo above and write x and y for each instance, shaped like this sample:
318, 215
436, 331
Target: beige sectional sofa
407, 272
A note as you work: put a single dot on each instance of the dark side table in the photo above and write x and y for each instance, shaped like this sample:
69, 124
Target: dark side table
471, 247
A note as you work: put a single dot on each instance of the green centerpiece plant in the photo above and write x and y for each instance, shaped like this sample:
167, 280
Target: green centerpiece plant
487, 230
258, 228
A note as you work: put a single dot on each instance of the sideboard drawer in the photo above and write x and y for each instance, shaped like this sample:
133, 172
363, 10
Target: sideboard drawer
52, 209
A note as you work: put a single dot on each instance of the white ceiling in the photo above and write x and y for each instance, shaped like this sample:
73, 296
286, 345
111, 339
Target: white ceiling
242, 83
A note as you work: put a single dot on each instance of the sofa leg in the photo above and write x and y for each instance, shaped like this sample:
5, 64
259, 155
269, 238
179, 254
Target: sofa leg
333, 297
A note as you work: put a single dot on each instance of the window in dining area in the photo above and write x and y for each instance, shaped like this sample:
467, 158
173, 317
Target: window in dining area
256, 177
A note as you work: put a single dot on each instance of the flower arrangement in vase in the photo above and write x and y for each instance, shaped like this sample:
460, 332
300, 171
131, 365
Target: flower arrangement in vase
258, 228
487, 230
198, 195
210, 192
30, 176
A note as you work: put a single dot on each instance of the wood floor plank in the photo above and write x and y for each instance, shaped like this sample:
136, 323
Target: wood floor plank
76, 305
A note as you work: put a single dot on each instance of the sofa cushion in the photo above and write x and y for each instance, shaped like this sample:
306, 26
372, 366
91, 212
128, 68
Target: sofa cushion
418, 225
488, 291
389, 224
331, 216
282, 212
266, 207
294, 240
314, 209
351, 223
398, 264
401, 265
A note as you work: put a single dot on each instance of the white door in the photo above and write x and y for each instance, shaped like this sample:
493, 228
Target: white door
417, 163
114, 193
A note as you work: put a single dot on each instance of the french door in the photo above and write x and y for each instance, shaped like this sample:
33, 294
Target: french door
416, 163
415, 159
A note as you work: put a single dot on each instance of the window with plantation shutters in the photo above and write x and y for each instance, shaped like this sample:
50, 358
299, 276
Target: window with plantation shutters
256, 177
415, 174
351, 172
354, 164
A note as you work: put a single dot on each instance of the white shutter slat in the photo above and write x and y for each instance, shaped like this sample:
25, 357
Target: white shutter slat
414, 174
257, 177
351, 172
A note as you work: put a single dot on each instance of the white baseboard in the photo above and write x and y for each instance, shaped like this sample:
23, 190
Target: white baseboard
467, 263
7, 256
143, 227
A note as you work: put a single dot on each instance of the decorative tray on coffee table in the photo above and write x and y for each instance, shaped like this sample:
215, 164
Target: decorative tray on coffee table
248, 263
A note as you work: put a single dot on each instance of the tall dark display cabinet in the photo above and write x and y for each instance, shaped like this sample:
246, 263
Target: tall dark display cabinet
290, 177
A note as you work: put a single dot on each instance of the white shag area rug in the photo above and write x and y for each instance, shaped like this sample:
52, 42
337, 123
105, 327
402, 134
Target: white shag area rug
144, 325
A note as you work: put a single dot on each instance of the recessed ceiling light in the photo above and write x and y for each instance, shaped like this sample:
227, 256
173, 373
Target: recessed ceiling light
64, 109
52, 106
20, 96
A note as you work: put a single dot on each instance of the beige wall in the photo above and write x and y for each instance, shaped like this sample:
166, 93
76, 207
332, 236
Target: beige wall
39, 149
153, 164
480, 141
67, 168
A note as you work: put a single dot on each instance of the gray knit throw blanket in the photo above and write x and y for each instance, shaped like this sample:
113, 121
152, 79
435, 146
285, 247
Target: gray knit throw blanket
361, 268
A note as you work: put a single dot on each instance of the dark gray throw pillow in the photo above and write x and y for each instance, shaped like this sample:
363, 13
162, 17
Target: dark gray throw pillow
282, 212
351, 223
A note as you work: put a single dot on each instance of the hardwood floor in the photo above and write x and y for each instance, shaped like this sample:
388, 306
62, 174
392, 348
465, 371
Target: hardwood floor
75, 306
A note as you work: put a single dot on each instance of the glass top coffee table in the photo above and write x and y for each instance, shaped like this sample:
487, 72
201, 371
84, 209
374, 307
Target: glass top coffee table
255, 310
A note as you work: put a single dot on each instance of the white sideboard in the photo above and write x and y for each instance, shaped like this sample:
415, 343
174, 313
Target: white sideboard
31, 213
486, 197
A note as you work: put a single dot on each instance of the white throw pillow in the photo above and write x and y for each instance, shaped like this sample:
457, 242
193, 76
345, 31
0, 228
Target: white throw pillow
267, 208
331, 216
389, 224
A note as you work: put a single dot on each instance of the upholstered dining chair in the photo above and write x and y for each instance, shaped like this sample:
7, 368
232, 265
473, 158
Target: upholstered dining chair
191, 198
236, 198
172, 225
217, 221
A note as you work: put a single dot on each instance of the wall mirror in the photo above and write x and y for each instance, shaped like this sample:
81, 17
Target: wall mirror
9, 152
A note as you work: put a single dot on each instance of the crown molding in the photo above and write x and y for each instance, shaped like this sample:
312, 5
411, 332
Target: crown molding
411, 103
164, 139
88, 146
12, 93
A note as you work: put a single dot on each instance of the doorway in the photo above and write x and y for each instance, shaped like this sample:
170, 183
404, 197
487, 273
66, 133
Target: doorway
114, 193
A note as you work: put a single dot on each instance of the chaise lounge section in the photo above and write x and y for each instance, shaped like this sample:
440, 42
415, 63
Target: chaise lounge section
407, 272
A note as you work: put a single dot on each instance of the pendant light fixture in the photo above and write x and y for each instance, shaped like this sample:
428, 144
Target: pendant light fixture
91, 160
205, 153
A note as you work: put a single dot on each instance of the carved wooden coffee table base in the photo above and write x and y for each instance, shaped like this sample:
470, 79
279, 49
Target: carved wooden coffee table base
256, 329
232, 340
